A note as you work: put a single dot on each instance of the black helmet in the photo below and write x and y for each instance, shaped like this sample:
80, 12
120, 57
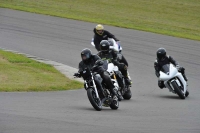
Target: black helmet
111, 42
104, 46
85, 55
161, 54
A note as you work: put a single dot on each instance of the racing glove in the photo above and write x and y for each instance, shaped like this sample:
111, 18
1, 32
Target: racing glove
177, 67
77, 75
157, 74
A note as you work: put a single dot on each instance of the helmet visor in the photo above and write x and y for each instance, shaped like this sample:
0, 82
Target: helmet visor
85, 56
160, 57
100, 32
104, 48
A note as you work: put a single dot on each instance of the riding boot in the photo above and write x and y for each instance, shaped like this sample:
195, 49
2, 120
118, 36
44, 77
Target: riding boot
128, 82
161, 84
126, 78
115, 95
182, 70
120, 79
123, 68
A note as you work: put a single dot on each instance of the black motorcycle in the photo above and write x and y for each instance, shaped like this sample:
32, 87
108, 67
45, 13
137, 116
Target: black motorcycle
98, 97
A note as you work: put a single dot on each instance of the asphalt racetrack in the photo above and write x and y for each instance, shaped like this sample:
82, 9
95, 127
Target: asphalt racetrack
150, 110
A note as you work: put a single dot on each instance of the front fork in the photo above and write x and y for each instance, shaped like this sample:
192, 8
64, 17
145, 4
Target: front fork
169, 85
95, 87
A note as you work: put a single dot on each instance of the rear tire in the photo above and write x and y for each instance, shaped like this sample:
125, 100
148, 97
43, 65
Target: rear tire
96, 103
127, 95
178, 90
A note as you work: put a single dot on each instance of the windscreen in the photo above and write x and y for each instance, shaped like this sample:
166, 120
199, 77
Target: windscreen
165, 68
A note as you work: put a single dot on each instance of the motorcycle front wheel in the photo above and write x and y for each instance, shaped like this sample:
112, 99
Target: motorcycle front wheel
178, 90
96, 102
187, 93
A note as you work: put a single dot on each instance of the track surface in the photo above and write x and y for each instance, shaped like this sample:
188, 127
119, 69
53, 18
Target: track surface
151, 110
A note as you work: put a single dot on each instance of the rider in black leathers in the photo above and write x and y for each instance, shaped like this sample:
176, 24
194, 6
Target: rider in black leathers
111, 55
101, 34
163, 59
88, 61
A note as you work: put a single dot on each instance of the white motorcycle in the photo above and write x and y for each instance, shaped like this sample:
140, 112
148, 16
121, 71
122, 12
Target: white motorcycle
125, 92
116, 47
113, 44
111, 70
174, 80
122, 92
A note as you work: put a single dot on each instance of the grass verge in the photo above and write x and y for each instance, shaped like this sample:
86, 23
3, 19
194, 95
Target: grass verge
180, 18
19, 73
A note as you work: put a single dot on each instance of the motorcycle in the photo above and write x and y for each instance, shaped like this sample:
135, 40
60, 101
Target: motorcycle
116, 47
174, 80
122, 87
98, 97
113, 44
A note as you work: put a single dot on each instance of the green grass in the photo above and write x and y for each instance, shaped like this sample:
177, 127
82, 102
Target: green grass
180, 18
19, 73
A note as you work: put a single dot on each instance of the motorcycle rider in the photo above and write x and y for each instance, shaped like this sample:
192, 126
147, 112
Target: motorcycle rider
163, 59
109, 54
101, 34
88, 61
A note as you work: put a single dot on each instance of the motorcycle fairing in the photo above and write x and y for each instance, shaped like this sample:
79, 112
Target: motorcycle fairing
169, 73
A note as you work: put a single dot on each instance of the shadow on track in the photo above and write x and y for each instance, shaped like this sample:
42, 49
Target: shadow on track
92, 109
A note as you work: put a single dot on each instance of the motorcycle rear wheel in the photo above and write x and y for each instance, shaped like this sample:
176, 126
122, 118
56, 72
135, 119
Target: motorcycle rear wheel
96, 102
127, 95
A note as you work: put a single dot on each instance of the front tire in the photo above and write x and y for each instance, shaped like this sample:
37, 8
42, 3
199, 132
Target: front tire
96, 102
187, 93
178, 90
